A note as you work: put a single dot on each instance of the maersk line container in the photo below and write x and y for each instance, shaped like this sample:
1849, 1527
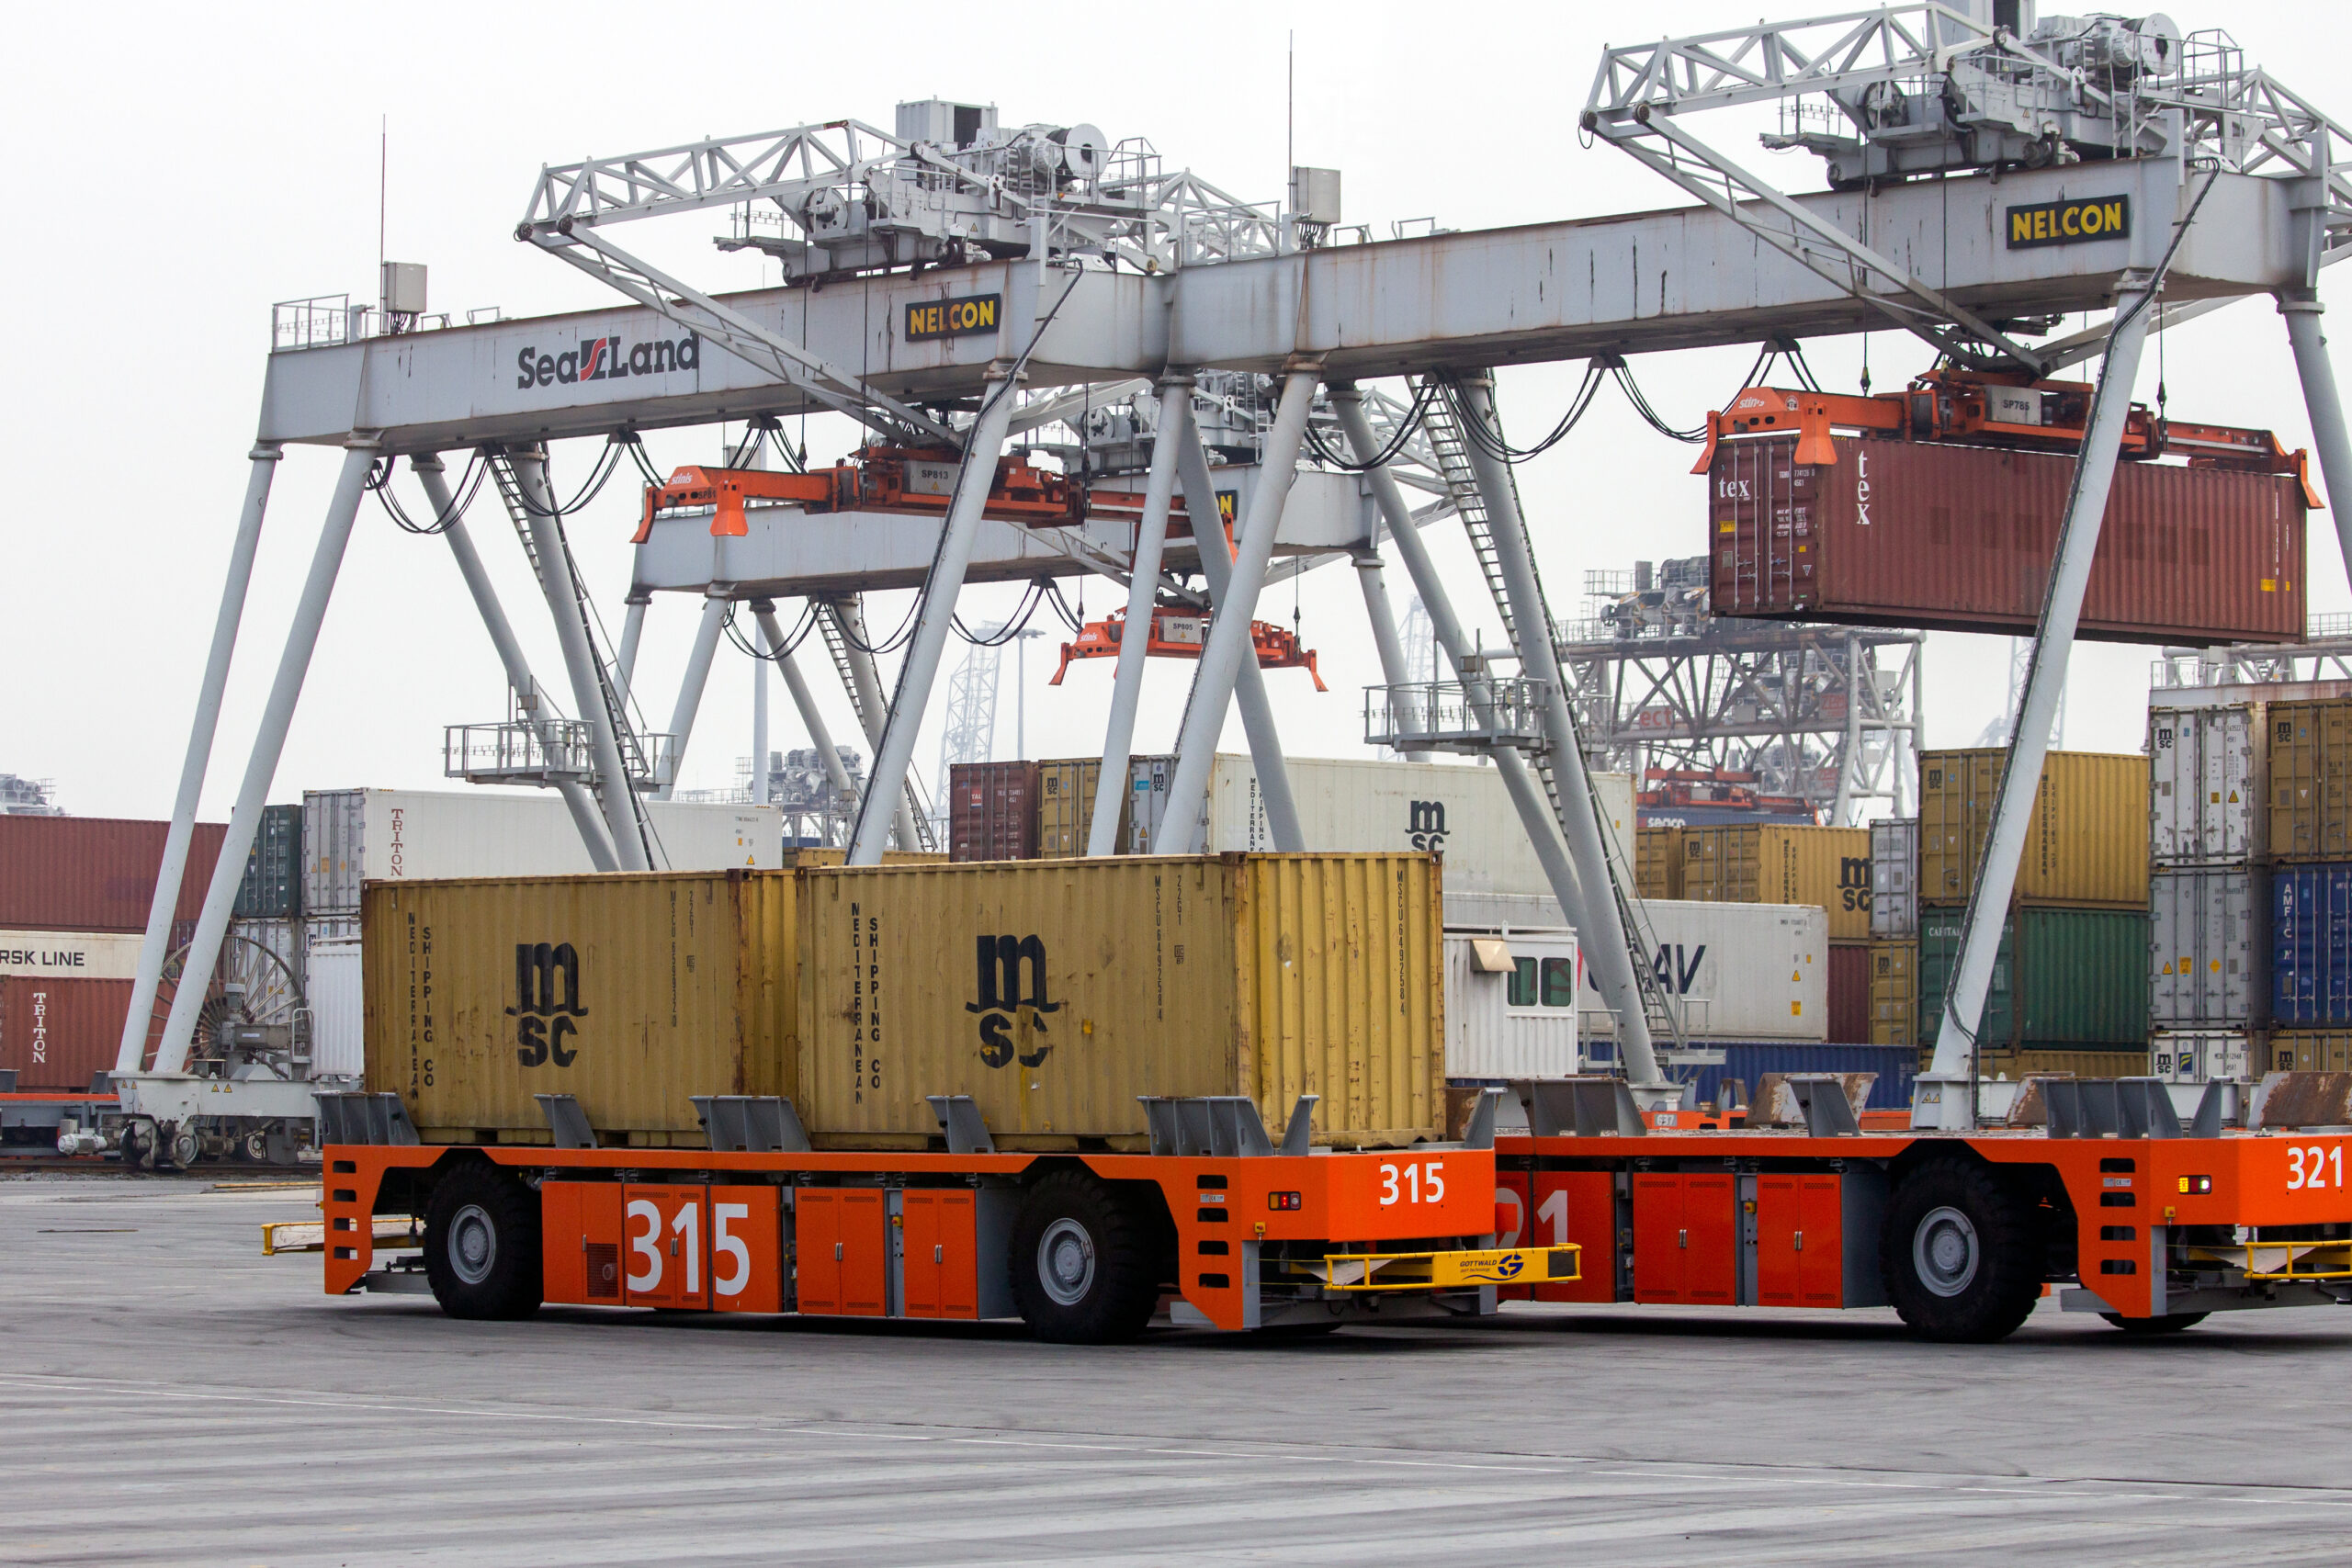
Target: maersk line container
2087, 843
1511, 1004
2309, 762
2311, 945
2207, 949
1368, 806
1765, 864
2205, 789
2069, 978
631, 993
1894, 879
354, 836
1054, 993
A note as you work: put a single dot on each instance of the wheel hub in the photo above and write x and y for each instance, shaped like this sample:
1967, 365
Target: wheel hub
1945, 1252
1066, 1262
473, 1243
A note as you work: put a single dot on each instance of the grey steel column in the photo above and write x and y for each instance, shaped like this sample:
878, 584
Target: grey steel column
1249, 683
632, 633
1603, 932
2325, 406
763, 610
270, 742
1853, 759
1229, 646
1143, 583
157, 944
615, 793
529, 693
873, 714
1372, 581
690, 690
1527, 796
1943, 1095
761, 646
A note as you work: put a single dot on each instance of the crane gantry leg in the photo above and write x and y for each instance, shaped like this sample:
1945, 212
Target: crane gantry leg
632, 633
270, 742
592, 696
805, 701
2325, 406
1373, 580
1603, 932
528, 694
154, 947
865, 678
1143, 585
698, 676
1247, 687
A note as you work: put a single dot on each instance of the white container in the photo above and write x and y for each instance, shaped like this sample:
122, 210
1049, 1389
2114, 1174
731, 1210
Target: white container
2202, 1055
2205, 785
338, 1039
1461, 810
69, 956
1894, 879
1514, 1022
2208, 943
1737, 971
374, 835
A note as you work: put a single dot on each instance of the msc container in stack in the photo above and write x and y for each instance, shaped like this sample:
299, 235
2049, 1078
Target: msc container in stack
75, 894
2071, 979
1771, 864
2307, 827
1066, 791
2208, 887
1894, 931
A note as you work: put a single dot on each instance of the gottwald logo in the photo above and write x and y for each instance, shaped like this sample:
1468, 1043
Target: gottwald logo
1502, 1271
605, 359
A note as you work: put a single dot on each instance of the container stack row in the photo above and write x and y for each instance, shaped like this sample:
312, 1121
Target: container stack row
2069, 991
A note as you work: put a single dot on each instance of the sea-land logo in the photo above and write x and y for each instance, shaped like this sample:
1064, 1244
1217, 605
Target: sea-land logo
547, 1003
1002, 995
606, 359
1425, 825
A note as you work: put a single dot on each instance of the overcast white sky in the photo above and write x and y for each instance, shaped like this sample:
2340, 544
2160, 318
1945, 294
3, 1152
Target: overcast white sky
202, 163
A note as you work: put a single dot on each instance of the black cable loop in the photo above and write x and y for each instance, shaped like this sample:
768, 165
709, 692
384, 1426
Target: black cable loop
588, 492
1014, 624
1403, 431
379, 480
792, 640
1484, 431
894, 641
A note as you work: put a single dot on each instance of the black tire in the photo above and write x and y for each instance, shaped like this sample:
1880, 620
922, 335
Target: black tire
1083, 1266
482, 1244
2171, 1324
1963, 1253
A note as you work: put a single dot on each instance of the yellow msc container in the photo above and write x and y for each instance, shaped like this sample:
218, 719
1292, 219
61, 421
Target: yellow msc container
1055, 994
1762, 863
1658, 863
2306, 1051
1894, 993
828, 855
2016, 1065
2310, 779
630, 993
2087, 844
1066, 806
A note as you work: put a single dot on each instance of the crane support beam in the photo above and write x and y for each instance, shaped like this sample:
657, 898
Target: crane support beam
698, 676
1636, 283
1126, 683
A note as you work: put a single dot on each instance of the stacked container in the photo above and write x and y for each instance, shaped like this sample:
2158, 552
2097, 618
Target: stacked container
1775, 863
2070, 983
1894, 931
992, 811
2306, 828
1066, 806
2208, 889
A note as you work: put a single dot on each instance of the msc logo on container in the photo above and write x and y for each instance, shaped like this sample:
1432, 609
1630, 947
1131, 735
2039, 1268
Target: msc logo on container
1001, 962
1854, 882
547, 1001
1425, 825
953, 317
2070, 223
606, 359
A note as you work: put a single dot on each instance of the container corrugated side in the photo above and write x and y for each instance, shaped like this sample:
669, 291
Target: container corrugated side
2014, 1065
1736, 971
57, 1032
2205, 788
2309, 1051
2202, 1055
1748, 1062
2066, 978
2209, 948
1961, 538
2086, 843
630, 992
2308, 758
1894, 993
272, 889
992, 811
2311, 945
1827, 866
1849, 993
1066, 791
95, 874
1521, 1025
1894, 878
334, 984
1055, 993
1658, 863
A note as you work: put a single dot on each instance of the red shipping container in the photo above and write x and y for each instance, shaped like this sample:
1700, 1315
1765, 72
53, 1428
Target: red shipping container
1849, 993
95, 874
1961, 538
57, 1032
992, 811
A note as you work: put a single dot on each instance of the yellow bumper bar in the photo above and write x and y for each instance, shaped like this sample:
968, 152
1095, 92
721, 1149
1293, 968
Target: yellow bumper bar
1447, 1270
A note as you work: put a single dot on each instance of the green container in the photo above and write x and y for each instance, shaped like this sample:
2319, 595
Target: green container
2063, 978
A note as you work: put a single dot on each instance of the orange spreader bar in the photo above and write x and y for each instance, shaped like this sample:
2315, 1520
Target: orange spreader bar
918, 479
1177, 634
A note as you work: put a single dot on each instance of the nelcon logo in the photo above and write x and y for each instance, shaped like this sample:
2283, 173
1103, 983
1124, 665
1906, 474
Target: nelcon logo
2070, 223
953, 317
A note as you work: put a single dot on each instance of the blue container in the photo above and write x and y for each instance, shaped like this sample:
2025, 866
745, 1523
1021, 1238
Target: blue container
2311, 945
1895, 1064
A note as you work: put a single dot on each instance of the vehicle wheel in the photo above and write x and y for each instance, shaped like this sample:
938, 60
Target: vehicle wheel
254, 1146
183, 1146
2172, 1324
1082, 1267
1962, 1254
482, 1244
137, 1143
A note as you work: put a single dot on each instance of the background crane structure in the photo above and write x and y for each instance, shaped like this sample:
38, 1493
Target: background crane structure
1013, 277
